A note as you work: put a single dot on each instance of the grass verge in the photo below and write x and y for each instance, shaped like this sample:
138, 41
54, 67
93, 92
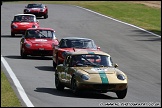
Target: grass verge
8, 97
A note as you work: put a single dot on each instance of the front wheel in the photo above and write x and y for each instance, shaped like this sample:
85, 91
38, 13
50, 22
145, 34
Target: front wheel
57, 60
54, 65
74, 86
45, 16
122, 93
12, 34
58, 84
22, 54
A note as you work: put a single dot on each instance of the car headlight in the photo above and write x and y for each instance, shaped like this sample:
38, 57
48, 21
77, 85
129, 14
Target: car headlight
27, 45
121, 77
27, 10
34, 26
41, 10
85, 77
65, 53
14, 26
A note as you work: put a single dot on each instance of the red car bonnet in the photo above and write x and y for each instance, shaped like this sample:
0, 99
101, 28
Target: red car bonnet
34, 10
22, 24
33, 40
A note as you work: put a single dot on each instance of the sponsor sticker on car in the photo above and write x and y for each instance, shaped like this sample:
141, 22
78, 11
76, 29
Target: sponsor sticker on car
24, 23
41, 48
42, 40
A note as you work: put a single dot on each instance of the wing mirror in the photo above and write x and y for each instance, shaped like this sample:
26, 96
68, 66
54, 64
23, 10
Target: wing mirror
98, 48
37, 21
115, 65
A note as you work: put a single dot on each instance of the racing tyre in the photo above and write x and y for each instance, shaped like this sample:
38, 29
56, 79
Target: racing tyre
58, 62
54, 65
58, 84
22, 54
12, 34
122, 93
45, 16
74, 86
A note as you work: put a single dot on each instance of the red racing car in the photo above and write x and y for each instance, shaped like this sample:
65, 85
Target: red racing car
21, 22
38, 42
38, 10
71, 44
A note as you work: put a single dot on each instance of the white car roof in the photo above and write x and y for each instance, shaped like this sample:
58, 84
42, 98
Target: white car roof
25, 14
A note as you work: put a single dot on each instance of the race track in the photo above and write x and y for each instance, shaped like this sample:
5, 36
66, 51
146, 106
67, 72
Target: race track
137, 53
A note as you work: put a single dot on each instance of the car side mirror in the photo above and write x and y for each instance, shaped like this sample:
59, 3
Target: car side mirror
25, 6
115, 65
98, 48
37, 21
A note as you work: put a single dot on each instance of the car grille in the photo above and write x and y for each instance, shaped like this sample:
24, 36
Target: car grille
42, 52
104, 86
36, 13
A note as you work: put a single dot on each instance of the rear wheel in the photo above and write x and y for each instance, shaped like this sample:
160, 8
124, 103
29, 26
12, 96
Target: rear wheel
22, 54
58, 84
122, 93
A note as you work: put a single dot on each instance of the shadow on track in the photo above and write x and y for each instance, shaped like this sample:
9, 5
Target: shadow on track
46, 68
29, 57
9, 36
68, 93
151, 39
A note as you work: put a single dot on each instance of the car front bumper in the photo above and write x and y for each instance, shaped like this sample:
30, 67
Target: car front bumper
38, 52
37, 14
101, 87
18, 31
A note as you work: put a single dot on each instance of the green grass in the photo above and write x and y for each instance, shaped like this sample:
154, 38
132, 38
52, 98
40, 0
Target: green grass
8, 97
140, 15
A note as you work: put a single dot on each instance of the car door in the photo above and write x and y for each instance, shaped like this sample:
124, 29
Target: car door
63, 70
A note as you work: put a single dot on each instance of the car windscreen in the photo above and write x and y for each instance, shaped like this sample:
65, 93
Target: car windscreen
91, 60
34, 6
24, 18
40, 34
77, 43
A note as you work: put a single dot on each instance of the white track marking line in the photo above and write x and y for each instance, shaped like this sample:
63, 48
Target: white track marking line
17, 83
120, 21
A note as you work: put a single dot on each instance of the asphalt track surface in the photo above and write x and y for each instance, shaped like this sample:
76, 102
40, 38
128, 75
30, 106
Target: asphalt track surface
138, 54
